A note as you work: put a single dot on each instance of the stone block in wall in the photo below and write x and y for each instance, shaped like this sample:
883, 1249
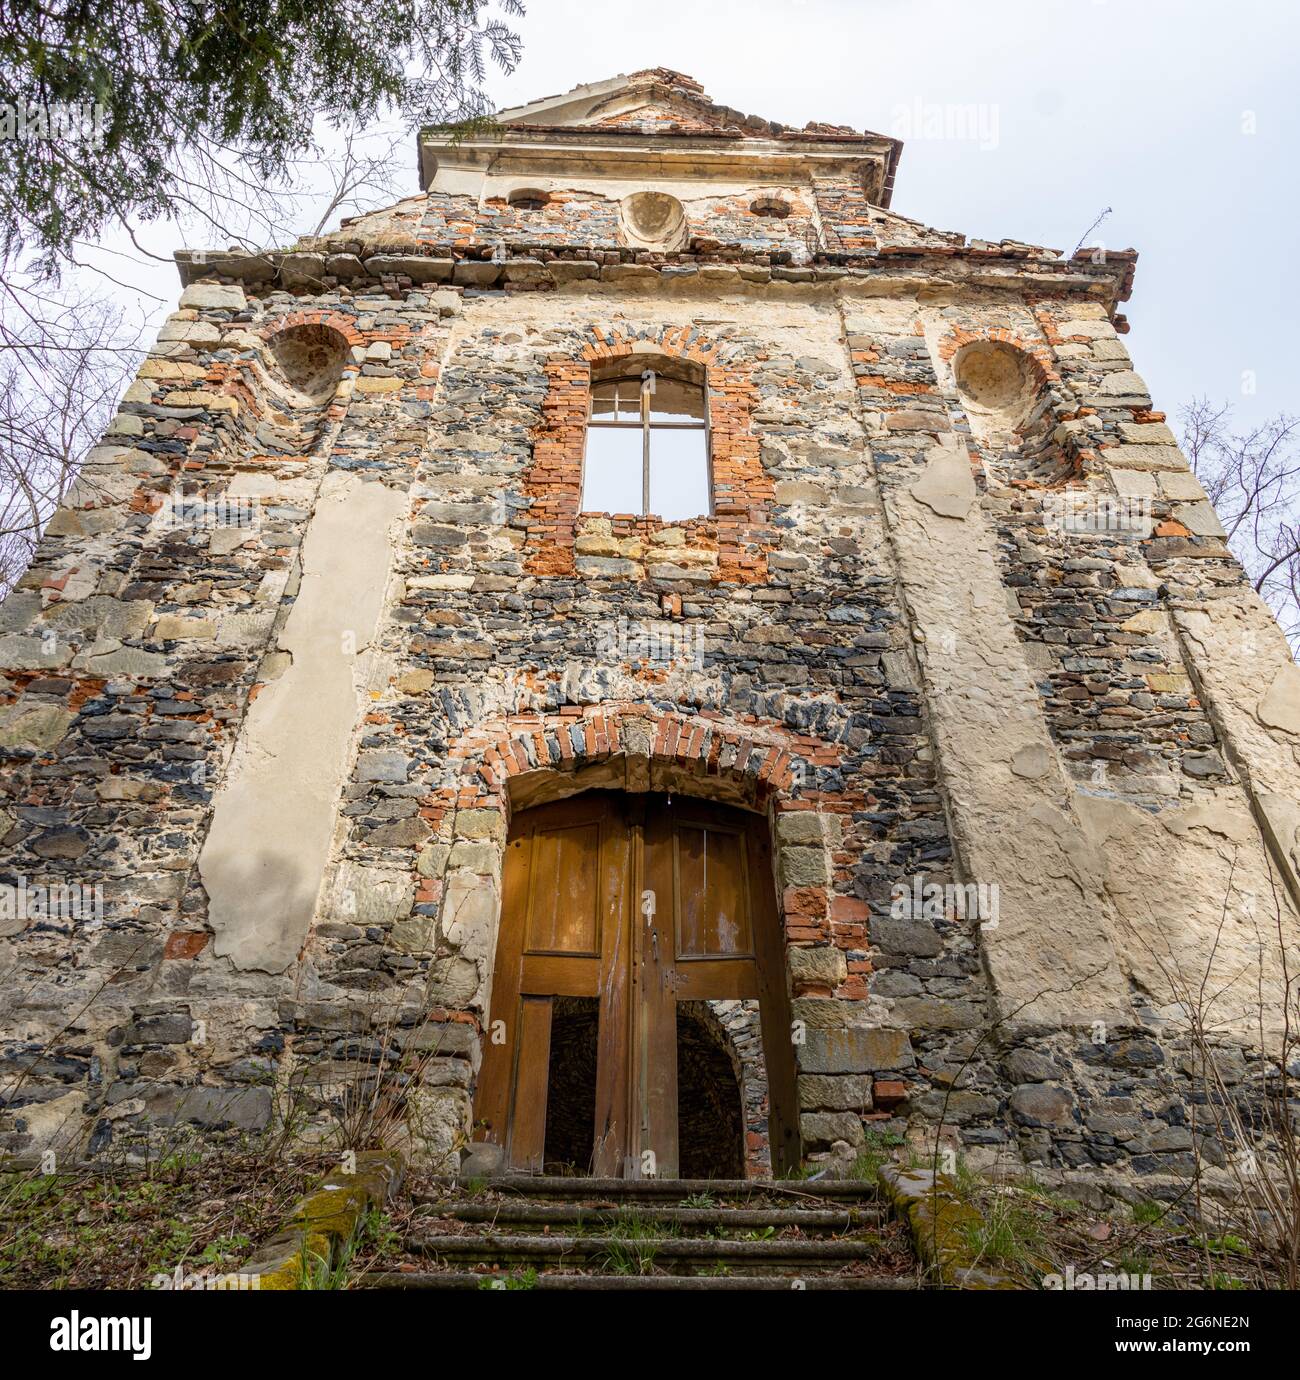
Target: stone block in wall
243, 1109
803, 867
847, 1092
368, 895
455, 983
1041, 1105
823, 965
913, 938
214, 295
417, 268
469, 915
806, 827
821, 1130
854, 1049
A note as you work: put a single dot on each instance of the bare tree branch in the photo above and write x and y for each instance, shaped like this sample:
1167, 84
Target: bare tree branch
1253, 479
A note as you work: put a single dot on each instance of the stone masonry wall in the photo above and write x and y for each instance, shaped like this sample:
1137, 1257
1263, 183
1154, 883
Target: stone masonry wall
287, 746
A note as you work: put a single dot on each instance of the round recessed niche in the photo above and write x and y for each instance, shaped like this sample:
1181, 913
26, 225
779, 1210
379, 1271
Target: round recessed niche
773, 207
307, 362
653, 220
995, 383
527, 199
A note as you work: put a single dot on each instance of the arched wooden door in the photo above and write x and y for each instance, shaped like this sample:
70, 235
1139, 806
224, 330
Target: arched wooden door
640, 902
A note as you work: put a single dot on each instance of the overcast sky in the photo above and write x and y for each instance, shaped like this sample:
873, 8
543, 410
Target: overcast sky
1024, 119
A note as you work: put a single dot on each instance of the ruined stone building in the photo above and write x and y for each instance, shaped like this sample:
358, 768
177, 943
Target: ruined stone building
692, 664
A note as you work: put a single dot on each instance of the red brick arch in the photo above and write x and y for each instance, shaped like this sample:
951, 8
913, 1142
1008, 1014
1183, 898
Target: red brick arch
762, 760
523, 759
1037, 356
338, 321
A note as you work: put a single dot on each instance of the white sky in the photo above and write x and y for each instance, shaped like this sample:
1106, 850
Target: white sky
1141, 105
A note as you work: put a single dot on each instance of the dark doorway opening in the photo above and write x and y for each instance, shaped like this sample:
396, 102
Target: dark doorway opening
710, 1118
571, 1086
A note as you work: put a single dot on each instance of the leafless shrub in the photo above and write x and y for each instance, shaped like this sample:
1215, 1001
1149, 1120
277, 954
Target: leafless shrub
66, 354
1253, 479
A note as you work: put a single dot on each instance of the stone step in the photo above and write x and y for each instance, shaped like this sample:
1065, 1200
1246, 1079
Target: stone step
507, 1214
461, 1279
644, 1254
793, 1191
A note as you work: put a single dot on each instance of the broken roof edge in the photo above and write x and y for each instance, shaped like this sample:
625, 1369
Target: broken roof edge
568, 116
582, 101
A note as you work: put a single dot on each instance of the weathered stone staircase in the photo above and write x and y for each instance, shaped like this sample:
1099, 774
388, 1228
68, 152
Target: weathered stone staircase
596, 1234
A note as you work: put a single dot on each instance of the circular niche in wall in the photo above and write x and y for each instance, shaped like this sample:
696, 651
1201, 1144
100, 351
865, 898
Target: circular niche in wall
653, 220
306, 363
995, 383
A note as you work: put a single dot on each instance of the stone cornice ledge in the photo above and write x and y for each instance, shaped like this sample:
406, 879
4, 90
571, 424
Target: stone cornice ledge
322, 265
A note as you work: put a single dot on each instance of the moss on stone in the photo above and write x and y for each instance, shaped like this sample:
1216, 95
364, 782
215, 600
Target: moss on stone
942, 1228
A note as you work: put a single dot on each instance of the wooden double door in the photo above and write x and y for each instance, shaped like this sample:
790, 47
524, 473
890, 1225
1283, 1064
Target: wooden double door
636, 903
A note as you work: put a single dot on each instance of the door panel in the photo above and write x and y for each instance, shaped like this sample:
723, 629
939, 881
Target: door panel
528, 1126
642, 902
655, 1085
564, 893
713, 917
496, 1079
618, 864
564, 896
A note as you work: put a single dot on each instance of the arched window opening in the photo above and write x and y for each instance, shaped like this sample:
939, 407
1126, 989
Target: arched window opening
648, 444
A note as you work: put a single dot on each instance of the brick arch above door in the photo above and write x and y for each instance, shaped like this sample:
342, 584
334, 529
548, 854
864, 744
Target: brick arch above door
521, 760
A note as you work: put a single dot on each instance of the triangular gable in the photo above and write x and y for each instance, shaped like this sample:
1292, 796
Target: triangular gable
656, 100
657, 112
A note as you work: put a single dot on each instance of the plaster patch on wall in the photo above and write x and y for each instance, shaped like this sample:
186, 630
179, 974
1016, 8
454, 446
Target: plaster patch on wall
1280, 707
947, 486
1191, 895
1218, 818
1282, 820
273, 820
1233, 646
1032, 761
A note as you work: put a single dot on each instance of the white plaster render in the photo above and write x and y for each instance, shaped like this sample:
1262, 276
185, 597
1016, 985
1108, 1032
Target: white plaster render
273, 819
1245, 676
1051, 956
1191, 893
